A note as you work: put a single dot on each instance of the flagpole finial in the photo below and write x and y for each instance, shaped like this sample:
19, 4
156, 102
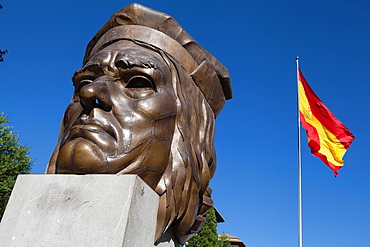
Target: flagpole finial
297, 58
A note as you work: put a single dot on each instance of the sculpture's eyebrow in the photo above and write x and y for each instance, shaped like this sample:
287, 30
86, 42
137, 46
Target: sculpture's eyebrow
126, 62
91, 70
95, 68
130, 62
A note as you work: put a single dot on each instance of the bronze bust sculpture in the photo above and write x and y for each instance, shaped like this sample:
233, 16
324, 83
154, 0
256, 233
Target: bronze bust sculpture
144, 103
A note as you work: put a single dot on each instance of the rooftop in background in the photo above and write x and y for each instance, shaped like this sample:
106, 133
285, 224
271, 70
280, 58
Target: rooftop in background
234, 241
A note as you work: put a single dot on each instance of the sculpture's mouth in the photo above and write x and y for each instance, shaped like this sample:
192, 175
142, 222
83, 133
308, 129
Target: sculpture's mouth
99, 132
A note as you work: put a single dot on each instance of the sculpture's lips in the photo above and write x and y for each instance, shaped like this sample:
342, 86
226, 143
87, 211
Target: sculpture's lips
92, 129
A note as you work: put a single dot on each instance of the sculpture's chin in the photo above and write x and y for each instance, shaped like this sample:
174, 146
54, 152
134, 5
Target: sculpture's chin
81, 156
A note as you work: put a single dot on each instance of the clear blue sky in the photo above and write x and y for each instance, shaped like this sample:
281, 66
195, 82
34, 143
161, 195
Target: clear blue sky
255, 186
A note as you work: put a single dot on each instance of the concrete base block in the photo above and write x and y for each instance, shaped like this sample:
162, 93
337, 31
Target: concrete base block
80, 210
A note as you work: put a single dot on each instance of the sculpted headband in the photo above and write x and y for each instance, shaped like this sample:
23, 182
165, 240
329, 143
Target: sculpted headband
164, 32
149, 36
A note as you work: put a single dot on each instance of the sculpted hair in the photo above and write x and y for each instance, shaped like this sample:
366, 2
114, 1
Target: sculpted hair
185, 198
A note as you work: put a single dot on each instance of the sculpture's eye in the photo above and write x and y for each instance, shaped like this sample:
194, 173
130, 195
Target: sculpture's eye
139, 82
140, 87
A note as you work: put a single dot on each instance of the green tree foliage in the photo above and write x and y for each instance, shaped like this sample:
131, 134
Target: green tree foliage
208, 236
2, 53
14, 159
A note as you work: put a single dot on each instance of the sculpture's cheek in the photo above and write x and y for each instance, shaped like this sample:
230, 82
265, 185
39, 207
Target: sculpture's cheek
72, 112
161, 105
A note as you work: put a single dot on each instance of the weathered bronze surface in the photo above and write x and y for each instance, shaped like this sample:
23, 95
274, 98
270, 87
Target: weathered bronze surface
144, 103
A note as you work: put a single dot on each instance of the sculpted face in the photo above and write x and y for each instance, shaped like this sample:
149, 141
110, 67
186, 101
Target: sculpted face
122, 115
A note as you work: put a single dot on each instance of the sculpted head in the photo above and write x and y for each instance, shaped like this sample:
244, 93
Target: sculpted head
144, 104
122, 115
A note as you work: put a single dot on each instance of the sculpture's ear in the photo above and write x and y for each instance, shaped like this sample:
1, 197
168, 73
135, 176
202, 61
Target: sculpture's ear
51, 167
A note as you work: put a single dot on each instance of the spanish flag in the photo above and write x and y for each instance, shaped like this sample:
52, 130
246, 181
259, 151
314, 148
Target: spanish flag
328, 138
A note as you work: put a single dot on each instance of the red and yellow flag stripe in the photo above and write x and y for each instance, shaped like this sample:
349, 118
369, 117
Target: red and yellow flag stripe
328, 138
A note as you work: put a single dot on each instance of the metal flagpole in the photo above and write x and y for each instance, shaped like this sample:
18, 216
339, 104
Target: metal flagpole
299, 166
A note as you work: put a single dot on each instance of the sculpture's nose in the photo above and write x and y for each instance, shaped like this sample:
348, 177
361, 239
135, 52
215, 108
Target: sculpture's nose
96, 95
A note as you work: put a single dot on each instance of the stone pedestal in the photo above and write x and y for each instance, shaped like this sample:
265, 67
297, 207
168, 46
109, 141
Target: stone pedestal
80, 210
